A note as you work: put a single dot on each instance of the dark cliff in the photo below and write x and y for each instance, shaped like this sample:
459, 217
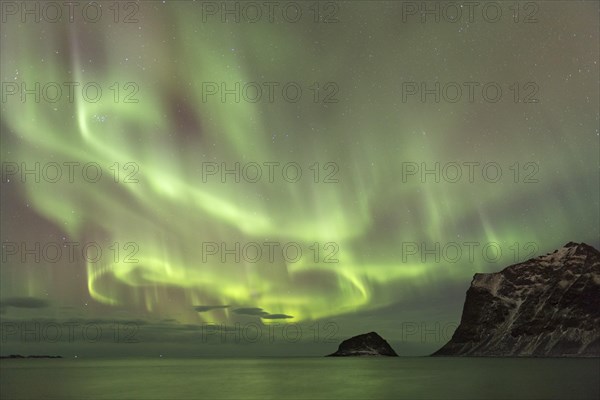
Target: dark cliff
547, 306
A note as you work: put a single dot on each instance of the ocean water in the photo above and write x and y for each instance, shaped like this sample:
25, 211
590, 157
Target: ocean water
302, 378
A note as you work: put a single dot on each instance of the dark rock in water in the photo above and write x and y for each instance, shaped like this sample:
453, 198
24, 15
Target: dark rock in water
368, 344
548, 306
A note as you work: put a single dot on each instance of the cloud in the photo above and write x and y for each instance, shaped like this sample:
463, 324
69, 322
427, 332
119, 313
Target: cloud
261, 313
23, 302
276, 316
207, 308
251, 311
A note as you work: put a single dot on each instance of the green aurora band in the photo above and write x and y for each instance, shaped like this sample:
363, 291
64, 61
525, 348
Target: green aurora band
369, 134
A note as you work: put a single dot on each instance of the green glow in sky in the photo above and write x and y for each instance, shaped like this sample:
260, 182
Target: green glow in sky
368, 136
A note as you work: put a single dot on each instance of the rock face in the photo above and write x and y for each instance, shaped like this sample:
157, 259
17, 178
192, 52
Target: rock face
368, 344
547, 306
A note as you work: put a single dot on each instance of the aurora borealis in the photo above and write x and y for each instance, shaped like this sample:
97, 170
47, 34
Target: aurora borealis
186, 96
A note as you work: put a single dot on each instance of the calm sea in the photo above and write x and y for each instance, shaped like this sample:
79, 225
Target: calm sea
301, 378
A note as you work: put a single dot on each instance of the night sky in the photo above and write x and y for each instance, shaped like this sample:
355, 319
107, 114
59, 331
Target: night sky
338, 100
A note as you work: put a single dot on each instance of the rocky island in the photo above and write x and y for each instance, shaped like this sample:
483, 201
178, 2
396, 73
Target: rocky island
548, 306
368, 344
